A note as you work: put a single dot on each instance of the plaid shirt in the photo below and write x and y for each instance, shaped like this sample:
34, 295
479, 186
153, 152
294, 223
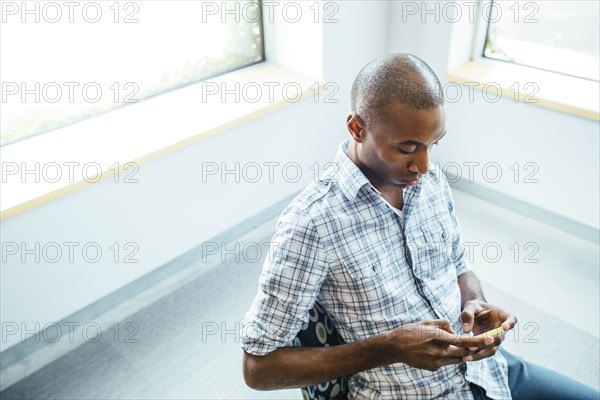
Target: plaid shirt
373, 269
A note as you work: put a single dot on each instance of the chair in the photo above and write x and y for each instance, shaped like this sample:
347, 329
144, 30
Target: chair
320, 332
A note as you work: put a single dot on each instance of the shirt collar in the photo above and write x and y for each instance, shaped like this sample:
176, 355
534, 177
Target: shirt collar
348, 176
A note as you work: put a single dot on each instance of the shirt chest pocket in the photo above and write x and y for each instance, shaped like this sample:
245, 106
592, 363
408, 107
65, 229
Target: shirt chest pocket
372, 280
434, 246
374, 264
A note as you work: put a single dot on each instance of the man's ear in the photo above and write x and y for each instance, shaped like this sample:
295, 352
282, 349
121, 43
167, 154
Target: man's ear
355, 125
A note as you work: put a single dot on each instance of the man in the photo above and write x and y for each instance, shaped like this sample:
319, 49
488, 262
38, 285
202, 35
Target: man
377, 244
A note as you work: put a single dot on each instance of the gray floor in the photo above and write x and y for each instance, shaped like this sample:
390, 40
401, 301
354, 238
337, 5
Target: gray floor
188, 346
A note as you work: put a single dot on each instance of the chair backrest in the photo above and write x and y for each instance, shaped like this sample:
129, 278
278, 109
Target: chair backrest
320, 332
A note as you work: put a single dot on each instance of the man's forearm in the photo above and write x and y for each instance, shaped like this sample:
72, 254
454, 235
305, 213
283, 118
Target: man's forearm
470, 288
294, 367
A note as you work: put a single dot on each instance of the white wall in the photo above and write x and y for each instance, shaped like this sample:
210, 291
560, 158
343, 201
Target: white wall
170, 210
565, 148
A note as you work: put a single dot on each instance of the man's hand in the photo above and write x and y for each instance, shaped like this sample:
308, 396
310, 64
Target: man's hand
479, 317
431, 345
427, 344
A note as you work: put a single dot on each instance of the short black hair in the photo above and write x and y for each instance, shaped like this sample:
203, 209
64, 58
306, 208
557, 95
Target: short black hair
394, 78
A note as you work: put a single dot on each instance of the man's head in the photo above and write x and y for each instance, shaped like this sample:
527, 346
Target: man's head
397, 115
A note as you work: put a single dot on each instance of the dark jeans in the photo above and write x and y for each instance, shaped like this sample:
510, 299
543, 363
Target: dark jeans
530, 382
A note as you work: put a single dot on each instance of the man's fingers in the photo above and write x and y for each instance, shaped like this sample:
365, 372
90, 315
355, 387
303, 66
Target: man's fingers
444, 325
454, 351
480, 355
450, 360
450, 330
468, 315
509, 323
467, 319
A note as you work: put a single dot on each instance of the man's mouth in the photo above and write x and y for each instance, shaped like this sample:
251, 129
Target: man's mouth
412, 180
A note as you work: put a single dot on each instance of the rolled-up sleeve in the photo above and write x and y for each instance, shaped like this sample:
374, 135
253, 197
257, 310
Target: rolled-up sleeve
291, 279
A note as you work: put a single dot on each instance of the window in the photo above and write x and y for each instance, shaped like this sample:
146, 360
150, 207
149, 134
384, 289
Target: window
560, 36
63, 62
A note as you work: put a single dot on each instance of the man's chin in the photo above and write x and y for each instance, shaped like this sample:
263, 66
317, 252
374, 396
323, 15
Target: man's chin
409, 182
399, 184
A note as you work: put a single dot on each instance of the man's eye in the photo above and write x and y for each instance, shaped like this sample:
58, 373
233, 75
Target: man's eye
409, 150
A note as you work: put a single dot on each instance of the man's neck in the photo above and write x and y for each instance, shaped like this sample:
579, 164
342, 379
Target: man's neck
392, 193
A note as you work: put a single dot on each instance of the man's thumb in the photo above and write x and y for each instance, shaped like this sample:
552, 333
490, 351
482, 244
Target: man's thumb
444, 324
467, 317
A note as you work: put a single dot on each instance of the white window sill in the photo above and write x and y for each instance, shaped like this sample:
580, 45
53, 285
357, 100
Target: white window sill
559, 92
120, 141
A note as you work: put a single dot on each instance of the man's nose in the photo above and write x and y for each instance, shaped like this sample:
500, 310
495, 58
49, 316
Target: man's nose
420, 164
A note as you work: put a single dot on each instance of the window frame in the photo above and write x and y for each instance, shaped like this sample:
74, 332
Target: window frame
558, 92
283, 64
79, 119
480, 38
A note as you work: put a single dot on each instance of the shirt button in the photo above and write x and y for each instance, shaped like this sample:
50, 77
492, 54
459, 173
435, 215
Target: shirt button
444, 235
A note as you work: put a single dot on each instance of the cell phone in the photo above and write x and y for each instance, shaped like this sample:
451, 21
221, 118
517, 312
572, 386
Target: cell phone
493, 332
